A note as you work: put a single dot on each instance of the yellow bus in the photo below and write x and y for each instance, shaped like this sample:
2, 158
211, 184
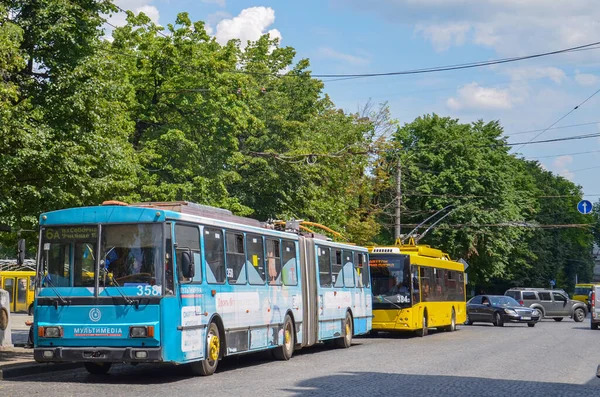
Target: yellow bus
416, 287
20, 287
582, 292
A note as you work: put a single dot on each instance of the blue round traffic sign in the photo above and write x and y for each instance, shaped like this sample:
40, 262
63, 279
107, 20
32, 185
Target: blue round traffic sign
584, 206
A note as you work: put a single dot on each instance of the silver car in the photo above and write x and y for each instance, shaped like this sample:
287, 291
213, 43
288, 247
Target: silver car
554, 303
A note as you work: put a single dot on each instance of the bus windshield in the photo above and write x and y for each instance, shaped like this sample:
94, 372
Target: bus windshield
131, 254
390, 281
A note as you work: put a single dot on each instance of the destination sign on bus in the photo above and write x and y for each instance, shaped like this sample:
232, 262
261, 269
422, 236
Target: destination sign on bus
382, 262
70, 233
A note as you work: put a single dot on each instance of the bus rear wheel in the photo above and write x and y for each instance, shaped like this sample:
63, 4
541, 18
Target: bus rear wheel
97, 368
285, 351
208, 366
346, 340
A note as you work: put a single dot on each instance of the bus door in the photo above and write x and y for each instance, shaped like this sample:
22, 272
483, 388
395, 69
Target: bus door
17, 292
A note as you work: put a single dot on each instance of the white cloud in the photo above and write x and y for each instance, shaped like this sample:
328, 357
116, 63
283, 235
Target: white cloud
444, 36
511, 27
586, 79
249, 25
333, 54
561, 165
137, 6
217, 2
473, 96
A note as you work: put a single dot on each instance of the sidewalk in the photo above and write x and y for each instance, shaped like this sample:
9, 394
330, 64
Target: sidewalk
18, 360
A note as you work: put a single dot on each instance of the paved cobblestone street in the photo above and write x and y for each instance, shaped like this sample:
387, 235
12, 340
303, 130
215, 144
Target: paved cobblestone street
552, 359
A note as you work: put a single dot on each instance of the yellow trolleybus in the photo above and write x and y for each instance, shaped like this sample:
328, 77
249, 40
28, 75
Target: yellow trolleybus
416, 287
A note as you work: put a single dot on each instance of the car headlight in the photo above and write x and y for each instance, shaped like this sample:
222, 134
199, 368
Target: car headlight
510, 311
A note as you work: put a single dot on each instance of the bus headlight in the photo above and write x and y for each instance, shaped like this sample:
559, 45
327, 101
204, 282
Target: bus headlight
53, 332
141, 332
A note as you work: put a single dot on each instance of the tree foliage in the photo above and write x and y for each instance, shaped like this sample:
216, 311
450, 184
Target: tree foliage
167, 113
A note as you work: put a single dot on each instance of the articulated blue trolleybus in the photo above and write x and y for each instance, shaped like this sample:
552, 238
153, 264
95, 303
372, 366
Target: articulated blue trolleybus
184, 283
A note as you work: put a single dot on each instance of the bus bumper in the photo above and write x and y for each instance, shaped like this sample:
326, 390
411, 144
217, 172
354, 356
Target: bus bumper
98, 354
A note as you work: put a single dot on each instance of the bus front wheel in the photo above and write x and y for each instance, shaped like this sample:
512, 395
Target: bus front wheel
425, 330
97, 368
208, 366
285, 351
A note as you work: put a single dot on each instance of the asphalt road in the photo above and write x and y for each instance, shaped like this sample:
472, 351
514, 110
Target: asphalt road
551, 359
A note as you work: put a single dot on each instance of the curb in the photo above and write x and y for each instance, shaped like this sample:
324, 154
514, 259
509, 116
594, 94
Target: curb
16, 370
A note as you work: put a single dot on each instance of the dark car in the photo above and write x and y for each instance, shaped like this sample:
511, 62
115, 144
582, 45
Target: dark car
499, 309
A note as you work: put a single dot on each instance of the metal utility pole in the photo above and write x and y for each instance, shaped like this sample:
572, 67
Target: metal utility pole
398, 198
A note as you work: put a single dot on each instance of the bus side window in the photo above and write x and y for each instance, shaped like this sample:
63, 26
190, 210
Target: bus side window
366, 273
273, 261
414, 271
290, 264
324, 266
337, 276
187, 239
236, 258
255, 262
358, 269
348, 268
214, 255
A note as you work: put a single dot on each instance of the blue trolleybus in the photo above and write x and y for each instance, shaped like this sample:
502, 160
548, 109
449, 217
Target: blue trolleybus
184, 283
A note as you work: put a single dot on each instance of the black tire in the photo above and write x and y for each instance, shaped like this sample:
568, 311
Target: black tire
208, 366
498, 320
285, 351
579, 315
531, 325
346, 340
97, 368
558, 319
425, 330
594, 325
467, 321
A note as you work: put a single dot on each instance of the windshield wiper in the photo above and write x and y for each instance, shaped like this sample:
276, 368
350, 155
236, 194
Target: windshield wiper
389, 301
129, 301
53, 287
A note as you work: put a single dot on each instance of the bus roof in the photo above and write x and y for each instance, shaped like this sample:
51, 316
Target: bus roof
423, 254
155, 212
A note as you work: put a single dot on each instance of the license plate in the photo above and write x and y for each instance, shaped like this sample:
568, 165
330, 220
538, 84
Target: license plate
526, 318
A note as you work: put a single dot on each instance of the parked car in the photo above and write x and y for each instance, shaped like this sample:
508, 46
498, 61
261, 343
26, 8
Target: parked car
553, 303
595, 304
499, 309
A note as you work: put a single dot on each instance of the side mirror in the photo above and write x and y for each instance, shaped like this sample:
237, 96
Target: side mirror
187, 264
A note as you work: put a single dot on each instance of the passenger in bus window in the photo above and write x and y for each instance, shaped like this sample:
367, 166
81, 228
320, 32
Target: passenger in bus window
425, 291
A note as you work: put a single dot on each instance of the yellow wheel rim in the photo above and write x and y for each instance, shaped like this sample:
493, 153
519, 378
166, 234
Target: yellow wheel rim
288, 336
348, 329
214, 346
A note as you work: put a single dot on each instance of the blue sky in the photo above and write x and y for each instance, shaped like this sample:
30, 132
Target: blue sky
363, 36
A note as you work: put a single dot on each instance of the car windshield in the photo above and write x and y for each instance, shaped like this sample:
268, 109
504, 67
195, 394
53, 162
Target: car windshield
503, 301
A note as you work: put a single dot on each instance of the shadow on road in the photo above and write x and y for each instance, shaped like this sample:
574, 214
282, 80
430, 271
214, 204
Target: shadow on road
144, 374
374, 383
